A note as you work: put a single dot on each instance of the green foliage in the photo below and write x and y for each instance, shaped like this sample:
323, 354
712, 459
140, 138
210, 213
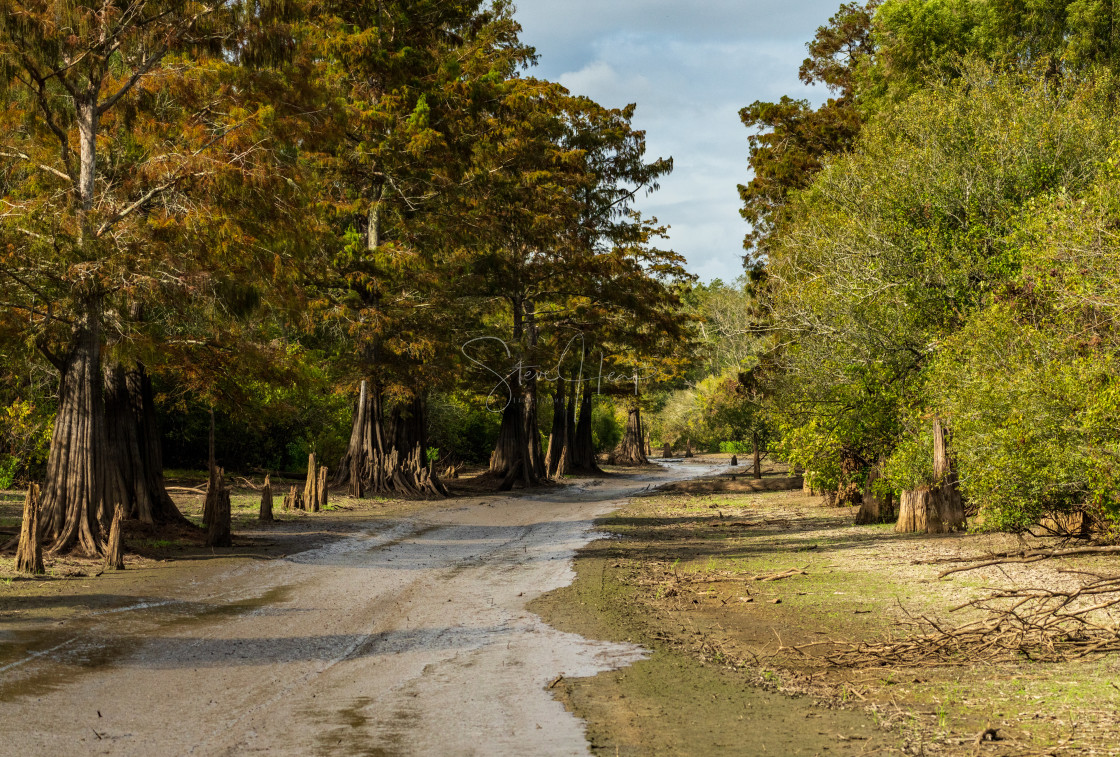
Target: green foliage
898, 244
462, 428
25, 437
606, 431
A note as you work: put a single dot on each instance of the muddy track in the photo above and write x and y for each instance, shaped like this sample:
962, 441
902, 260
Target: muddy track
409, 637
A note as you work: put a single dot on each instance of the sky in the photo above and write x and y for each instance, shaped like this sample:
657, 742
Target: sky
689, 67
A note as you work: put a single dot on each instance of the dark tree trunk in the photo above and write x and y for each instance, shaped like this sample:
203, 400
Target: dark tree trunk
75, 511
583, 445
734, 461
266, 501
533, 451
29, 554
391, 460
756, 452
134, 446
668, 451
632, 450
558, 439
512, 452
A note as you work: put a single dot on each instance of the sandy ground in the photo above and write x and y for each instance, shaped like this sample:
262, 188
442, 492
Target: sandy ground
409, 636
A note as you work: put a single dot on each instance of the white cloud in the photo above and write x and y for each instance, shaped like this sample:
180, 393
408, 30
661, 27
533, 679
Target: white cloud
690, 68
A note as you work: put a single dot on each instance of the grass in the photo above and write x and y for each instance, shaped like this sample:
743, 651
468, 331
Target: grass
688, 556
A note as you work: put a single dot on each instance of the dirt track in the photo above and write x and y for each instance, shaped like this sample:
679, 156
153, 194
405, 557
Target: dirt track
410, 637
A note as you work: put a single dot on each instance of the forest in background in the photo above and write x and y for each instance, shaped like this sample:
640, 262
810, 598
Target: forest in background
365, 231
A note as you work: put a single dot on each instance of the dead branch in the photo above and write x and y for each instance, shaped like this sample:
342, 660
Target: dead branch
1044, 625
1021, 557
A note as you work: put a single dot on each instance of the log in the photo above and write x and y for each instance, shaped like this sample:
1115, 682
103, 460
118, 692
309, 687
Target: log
114, 550
29, 556
266, 501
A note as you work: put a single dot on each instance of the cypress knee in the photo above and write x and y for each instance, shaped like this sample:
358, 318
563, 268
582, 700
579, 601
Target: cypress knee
311, 487
114, 551
219, 532
322, 489
266, 501
29, 557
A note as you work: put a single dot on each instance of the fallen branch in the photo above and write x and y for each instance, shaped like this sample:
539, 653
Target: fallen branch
1044, 625
1020, 557
185, 489
784, 574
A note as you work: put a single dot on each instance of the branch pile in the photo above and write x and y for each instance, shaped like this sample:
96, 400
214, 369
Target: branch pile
1042, 625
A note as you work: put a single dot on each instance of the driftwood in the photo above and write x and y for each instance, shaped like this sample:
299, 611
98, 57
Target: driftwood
29, 555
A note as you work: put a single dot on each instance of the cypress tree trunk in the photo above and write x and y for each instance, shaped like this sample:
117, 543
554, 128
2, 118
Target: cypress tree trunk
938, 509
875, 509
583, 445
512, 450
557, 439
951, 506
756, 452
631, 451
667, 452
29, 555
388, 460
74, 510
919, 513
134, 447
